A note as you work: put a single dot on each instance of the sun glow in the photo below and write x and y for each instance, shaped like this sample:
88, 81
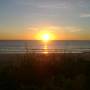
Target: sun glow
46, 37
45, 34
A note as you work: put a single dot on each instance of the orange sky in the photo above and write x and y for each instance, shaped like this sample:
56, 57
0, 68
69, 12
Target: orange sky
29, 36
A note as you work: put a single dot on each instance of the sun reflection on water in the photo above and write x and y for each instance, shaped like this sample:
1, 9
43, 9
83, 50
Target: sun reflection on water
45, 48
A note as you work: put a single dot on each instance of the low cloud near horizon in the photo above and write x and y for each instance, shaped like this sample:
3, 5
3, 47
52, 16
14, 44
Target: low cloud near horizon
85, 15
71, 29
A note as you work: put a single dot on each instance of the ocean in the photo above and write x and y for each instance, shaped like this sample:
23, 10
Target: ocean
38, 46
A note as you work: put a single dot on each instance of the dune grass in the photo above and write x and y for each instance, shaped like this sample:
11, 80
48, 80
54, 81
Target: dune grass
45, 71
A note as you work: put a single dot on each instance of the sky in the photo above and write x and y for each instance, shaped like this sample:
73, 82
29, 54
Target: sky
24, 19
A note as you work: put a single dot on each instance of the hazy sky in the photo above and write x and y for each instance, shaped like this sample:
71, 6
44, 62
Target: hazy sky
23, 19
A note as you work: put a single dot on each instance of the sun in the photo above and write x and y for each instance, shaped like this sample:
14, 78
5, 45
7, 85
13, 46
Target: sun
46, 37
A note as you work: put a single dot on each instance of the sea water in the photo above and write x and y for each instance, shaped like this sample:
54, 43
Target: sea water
38, 46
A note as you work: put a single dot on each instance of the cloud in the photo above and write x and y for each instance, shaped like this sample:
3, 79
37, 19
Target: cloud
42, 28
47, 4
71, 29
85, 15
31, 28
51, 6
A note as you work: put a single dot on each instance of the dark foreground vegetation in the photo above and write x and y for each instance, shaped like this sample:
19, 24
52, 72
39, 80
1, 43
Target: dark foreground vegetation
45, 71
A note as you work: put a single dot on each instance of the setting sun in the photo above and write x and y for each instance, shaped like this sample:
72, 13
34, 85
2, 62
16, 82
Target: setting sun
45, 34
46, 37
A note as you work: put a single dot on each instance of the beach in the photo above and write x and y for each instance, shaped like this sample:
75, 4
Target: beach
44, 44
56, 71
